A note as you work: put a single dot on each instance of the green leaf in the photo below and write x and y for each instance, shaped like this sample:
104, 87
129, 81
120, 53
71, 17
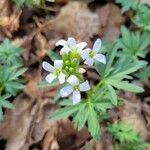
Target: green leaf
66, 102
1, 114
15, 85
63, 112
53, 56
144, 73
9, 53
112, 94
103, 106
45, 84
6, 104
130, 68
128, 4
17, 73
110, 58
93, 124
141, 19
131, 49
124, 85
100, 68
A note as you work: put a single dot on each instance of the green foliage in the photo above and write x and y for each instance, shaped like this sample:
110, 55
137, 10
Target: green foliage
9, 79
141, 19
125, 137
144, 73
10, 71
82, 113
4, 103
128, 4
53, 56
114, 75
21, 3
9, 53
133, 44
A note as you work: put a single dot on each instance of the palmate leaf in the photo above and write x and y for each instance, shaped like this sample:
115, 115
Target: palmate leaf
9, 79
128, 4
141, 19
9, 53
129, 47
125, 137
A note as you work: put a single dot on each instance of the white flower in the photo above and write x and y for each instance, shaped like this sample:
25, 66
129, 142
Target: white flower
89, 55
71, 45
55, 71
74, 87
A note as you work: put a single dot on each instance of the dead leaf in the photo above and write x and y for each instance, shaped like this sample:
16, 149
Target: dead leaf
4, 7
131, 113
76, 20
111, 19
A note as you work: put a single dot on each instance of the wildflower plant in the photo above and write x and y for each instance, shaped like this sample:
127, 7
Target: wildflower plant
124, 137
11, 68
75, 58
142, 13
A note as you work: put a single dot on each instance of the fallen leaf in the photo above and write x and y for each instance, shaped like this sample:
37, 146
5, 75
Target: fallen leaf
111, 19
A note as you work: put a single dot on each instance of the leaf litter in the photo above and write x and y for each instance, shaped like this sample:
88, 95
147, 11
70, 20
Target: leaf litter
27, 127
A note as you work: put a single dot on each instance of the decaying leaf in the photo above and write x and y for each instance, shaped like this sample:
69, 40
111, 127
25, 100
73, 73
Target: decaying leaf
131, 113
111, 19
76, 20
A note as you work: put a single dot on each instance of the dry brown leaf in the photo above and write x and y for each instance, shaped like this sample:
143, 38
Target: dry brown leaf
28, 123
9, 24
4, 7
111, 19
76, 20
131, 113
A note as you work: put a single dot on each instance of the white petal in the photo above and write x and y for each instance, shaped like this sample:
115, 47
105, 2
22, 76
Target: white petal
47, 66
61, 42
65, 49
61, 78
84, 86
76, 97
82, 70
66, 91
72, 43
97, 45
85, 53
73, 80
49, 78
101, 58
81, 45
89, 61
58, 64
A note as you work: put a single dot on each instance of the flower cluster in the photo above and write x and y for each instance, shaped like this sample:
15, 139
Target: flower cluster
69, 70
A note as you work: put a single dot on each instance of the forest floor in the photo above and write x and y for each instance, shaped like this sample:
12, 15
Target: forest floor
37, 30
